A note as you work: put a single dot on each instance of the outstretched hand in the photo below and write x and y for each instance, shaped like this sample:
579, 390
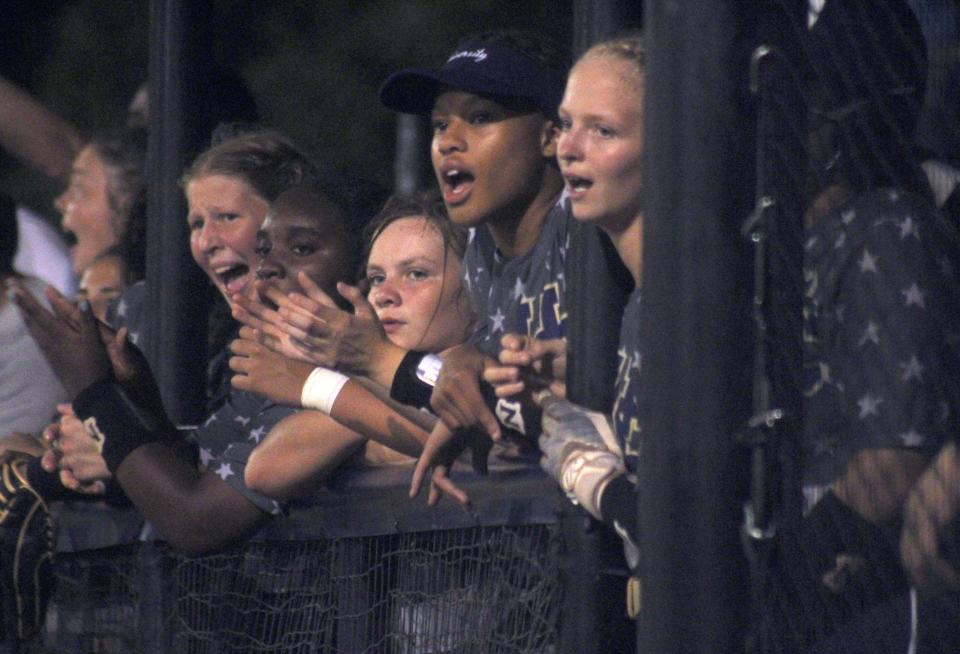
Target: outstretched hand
68, 335
263, 371
309, 326
266, 321
529, 365
439, 454
457, 398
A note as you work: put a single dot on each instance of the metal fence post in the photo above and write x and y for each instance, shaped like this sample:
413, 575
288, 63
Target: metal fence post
699, 152
176, 290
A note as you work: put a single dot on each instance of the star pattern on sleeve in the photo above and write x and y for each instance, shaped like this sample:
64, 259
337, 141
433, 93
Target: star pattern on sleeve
871, 334
496, 321
868, 262
913, 296
894, 277
908, 228
869, 405
911, 438
911, 369
224, 471
256, 434
518, 290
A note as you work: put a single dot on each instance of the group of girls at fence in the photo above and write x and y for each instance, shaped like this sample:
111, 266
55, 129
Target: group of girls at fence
275, 236
460, 308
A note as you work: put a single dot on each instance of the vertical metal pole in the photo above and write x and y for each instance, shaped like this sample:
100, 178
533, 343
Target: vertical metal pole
176, 291
696, 326
411, 168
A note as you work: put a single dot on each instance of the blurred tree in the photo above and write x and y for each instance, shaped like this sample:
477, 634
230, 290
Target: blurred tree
314, 67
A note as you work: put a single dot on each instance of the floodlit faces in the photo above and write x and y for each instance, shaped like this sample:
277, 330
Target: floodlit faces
101, 282
224, 214
86, 211
415, 287
489, 160
600, 148
302, 234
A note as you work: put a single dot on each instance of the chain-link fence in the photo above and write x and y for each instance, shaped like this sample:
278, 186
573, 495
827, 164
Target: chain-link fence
856, 393
353, 570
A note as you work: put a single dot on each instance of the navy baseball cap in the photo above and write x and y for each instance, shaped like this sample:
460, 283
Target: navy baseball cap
481, 66
867, 49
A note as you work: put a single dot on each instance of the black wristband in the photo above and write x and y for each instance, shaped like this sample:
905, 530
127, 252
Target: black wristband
119, 424
619, 503
407, 388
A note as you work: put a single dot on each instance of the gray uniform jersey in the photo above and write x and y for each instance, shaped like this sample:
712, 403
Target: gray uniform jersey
523, 295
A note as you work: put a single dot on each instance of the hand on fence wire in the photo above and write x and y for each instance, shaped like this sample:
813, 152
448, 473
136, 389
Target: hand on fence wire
931, 509
75, 453
528, 365
69, 337
265, 372
441, 450
457, 398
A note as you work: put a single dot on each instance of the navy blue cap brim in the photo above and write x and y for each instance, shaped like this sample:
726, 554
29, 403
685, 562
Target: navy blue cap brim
411, 91
487, 68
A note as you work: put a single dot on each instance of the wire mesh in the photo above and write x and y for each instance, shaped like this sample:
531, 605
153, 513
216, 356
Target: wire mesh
857, 159
483, 589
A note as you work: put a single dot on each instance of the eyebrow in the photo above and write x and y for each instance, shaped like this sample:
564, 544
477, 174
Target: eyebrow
408, 261
297, 230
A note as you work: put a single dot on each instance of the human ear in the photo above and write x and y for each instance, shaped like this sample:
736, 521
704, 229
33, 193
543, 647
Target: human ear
548, 139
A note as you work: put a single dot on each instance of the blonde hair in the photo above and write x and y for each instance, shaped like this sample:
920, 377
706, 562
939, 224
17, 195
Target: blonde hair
627, 47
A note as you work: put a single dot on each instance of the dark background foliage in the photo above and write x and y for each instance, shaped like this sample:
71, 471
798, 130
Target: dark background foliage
314, 67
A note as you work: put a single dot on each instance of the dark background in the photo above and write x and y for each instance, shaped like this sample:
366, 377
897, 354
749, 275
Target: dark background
314, 67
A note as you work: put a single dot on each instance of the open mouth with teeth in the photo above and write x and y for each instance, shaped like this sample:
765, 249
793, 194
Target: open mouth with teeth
456, 185
578, 185
233, 277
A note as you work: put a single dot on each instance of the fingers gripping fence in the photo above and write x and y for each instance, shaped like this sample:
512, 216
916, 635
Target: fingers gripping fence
492, 584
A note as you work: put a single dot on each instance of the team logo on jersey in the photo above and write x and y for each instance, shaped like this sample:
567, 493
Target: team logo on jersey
510, 414
543, 314
626, 415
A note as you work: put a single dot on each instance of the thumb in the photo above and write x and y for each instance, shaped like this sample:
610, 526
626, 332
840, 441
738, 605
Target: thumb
313, 291
361, 306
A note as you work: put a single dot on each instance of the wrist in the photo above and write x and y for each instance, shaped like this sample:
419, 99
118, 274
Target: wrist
415, 378
321, 389
116, 424
386, 363
585, 474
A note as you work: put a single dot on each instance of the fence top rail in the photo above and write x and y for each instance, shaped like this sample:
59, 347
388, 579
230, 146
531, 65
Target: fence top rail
358, 502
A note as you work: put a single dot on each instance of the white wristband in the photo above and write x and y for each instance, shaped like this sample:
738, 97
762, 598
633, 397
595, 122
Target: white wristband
321, 389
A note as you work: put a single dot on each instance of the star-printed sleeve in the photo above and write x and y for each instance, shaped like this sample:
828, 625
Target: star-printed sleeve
227, 438
896, 313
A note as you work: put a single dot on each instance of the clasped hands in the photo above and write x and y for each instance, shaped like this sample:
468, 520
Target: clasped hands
82, 351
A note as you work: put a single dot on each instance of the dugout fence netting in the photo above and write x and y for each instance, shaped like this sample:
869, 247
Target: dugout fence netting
492, 583
855, 229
